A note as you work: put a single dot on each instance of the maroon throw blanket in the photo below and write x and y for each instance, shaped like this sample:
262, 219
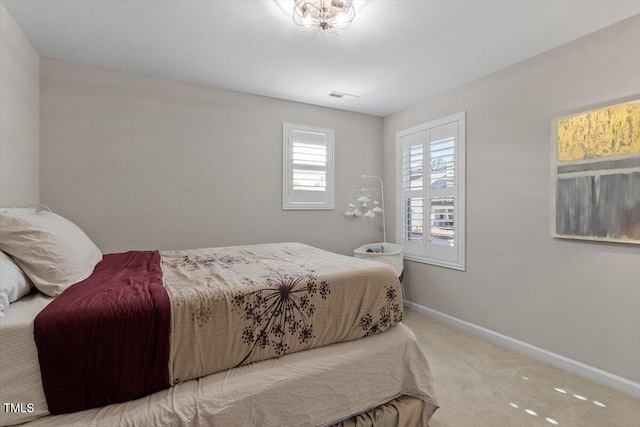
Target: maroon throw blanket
106, 339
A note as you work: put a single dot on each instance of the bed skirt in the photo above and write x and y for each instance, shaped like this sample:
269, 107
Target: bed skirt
318, 387
405, 411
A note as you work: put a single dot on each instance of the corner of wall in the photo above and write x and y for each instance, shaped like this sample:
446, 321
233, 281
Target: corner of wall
19, 116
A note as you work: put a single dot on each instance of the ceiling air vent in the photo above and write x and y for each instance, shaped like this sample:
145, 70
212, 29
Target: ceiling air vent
342, 95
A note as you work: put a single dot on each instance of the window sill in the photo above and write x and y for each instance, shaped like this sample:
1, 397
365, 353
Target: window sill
436, 262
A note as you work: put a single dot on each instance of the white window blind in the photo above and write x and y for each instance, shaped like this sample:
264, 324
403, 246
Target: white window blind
308, 178
430, 203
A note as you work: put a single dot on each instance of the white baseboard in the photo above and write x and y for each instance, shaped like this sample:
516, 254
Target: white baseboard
579, 368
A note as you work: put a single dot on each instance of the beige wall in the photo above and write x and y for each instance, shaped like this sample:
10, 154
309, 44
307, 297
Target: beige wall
19, 116
142, 162
577, 299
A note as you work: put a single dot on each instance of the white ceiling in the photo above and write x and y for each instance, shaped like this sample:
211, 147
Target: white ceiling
395, 54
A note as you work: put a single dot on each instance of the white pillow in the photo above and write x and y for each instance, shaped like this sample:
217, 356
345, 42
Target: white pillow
13, 282
52, 251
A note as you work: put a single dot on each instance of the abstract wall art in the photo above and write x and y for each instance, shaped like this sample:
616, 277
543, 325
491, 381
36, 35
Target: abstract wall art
596, 174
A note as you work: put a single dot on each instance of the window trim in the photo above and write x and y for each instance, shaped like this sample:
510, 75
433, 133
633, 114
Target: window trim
287, 169
460, 149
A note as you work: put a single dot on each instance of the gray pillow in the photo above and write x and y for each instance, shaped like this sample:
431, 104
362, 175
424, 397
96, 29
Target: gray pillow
14, 284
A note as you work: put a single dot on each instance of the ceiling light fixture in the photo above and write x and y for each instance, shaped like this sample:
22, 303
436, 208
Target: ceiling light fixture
326, 16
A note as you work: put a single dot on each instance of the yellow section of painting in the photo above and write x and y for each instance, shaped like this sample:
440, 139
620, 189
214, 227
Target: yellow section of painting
604, 132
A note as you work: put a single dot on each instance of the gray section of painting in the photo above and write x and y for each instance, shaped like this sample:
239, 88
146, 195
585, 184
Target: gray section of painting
605, 206
606, 165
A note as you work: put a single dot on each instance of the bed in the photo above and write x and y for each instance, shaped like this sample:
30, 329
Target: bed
277, 334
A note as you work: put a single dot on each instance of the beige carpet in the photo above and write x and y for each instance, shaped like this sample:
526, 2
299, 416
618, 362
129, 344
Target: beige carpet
479, 383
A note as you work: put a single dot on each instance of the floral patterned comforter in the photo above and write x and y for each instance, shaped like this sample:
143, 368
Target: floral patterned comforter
238, 305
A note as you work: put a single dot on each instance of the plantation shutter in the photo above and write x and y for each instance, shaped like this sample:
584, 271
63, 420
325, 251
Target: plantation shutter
413, 193
431, 192
308, 167
443, 193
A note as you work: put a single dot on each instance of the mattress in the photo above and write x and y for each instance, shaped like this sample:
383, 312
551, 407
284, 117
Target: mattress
318, 387
19, 368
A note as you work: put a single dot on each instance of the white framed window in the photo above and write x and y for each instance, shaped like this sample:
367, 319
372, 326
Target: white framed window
430, 192
308, 167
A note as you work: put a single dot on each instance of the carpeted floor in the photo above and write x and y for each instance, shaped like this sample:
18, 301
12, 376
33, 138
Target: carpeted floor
479, 383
